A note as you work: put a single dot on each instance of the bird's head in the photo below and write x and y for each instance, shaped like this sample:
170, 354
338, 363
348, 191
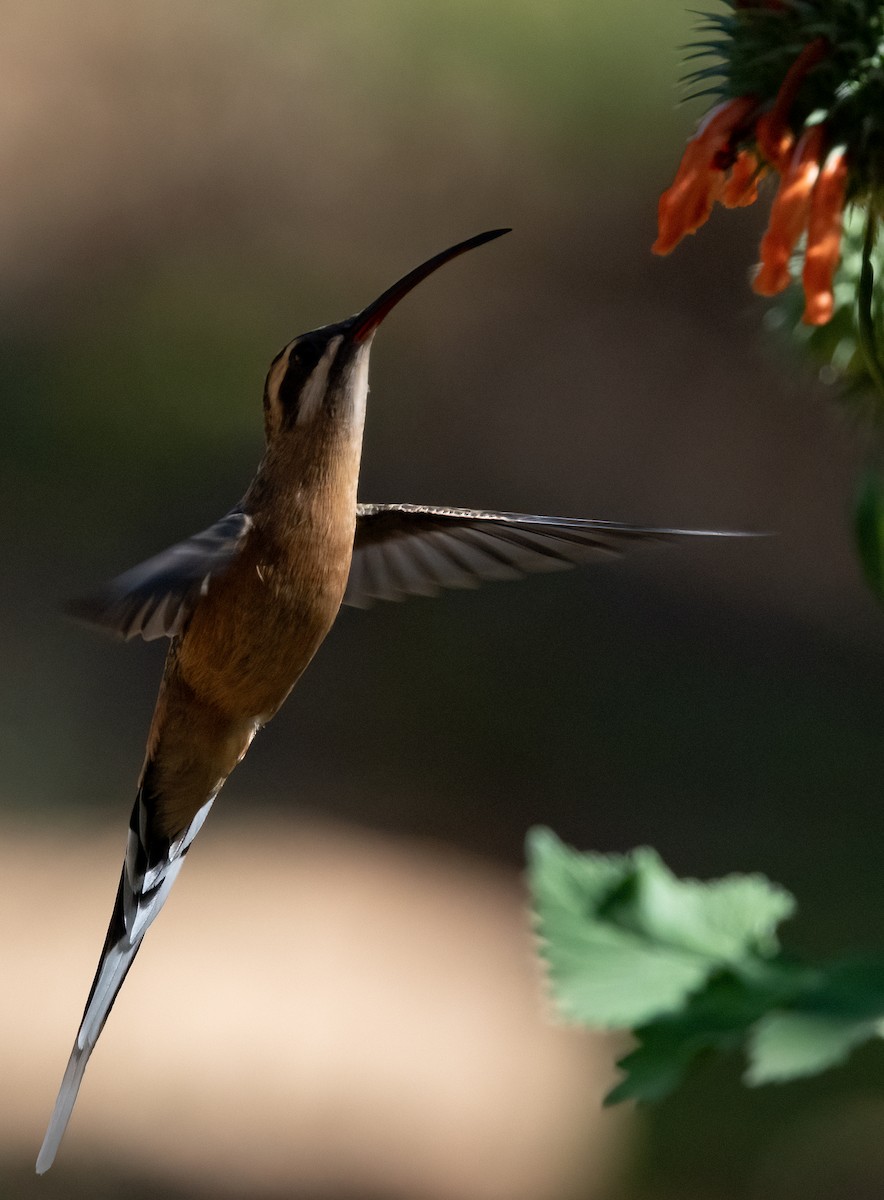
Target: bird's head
325, 371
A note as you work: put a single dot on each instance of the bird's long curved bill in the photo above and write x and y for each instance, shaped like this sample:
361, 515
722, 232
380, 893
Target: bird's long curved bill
366, 322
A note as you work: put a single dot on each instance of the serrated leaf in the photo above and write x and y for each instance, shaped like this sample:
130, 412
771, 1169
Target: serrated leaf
560, 874
657, 1065
601, 974
610, 981
789, 1045
724, 920
626, 941
717, 1018
691, 968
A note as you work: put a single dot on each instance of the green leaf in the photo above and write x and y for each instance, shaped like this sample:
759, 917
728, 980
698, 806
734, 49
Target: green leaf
869, 530
723, 921
691, 968
626, 941
788, 1045
667, 1047
717, 1018
659, 1063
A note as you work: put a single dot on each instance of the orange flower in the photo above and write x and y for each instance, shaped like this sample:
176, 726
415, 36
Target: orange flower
742, 187
700, 179
824, 238
774, 139
772, 133
789, 215
810, 197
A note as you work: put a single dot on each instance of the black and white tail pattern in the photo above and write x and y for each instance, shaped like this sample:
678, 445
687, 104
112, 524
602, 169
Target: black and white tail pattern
151, 867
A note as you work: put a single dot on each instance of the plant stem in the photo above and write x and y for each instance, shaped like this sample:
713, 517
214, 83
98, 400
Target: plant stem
864, 299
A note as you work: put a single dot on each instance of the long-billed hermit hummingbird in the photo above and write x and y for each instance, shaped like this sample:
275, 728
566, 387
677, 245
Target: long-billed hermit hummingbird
247, 603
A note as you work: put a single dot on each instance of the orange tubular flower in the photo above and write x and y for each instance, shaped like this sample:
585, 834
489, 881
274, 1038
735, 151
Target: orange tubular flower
789, 215
742, 187
824, 238
772, 133
774, 138
757, 133
700, 179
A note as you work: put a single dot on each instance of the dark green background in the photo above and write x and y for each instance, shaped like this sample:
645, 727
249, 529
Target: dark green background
189, 191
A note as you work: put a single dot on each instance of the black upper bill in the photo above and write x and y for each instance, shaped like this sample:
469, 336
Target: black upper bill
366, 322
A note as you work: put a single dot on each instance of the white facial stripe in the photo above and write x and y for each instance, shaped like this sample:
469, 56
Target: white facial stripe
314, 390
360, 385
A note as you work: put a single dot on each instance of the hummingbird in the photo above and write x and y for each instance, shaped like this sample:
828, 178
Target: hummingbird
248, 601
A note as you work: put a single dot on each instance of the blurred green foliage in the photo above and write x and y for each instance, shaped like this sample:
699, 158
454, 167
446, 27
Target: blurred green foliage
869, 528
691, 968
836, 347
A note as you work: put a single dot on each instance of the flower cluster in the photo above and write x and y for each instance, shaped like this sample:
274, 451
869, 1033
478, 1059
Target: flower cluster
803, 100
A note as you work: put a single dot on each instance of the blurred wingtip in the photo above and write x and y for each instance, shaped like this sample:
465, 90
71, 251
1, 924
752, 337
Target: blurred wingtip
723, 533
87, 611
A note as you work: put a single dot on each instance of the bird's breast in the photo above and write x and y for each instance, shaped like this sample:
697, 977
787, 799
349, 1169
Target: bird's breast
260, 624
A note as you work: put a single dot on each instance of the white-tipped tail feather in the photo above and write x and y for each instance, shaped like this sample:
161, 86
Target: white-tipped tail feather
146, 880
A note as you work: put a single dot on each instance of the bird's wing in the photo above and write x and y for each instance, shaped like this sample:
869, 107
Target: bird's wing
156, 598
151, 867
415, 550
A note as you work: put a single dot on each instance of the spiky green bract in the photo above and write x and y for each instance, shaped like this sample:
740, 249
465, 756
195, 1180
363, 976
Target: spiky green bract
691, 967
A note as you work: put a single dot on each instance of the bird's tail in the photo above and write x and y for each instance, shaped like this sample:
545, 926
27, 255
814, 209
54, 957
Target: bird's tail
150, 869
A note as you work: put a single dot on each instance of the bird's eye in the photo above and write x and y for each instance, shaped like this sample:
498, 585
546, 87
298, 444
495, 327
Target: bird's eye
304, 356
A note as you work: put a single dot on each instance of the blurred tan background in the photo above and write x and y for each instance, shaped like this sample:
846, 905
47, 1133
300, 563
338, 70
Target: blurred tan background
341, 999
